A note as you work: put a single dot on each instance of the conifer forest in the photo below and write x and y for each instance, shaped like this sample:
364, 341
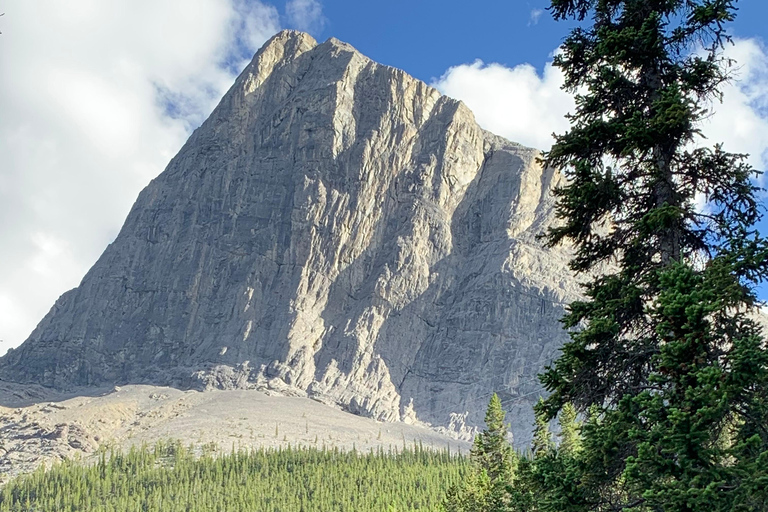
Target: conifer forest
169, 478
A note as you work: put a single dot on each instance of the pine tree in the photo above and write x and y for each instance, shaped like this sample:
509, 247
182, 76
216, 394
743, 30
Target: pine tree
548, 480
494, 463
542, 437
491, 451
169, 478
570, 436
663, 348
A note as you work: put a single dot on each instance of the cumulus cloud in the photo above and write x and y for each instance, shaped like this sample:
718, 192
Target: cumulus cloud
527, 106
517, 103
96, 98
306, 15
740, 122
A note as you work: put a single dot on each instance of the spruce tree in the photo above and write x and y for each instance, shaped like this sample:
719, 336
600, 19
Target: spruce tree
542, 437
663, 349
493, 468
170, 478
491, 450
550, 479
570, 436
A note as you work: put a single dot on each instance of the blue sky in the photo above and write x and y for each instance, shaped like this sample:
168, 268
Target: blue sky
96, 97
426, 37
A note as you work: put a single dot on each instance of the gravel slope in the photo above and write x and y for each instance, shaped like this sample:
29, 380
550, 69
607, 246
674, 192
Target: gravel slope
38, 427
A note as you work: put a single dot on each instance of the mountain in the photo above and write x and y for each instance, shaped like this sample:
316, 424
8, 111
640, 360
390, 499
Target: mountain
335, 229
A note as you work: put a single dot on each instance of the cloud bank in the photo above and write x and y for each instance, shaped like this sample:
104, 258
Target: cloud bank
740, 122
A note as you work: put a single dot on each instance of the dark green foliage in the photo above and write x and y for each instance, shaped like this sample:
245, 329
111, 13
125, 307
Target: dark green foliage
494, 463
491, 451
475, 494
570, 438
169, 478
542, 437
548, 480
663, 352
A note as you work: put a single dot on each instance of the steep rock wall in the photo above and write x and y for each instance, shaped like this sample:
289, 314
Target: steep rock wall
336, 228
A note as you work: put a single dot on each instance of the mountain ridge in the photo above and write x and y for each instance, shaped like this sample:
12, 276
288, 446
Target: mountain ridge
335, 229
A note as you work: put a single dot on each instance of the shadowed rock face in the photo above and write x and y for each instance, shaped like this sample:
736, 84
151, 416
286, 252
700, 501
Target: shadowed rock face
336, 228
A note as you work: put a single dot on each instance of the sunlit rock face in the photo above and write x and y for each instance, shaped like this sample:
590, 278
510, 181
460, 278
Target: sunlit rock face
337, 229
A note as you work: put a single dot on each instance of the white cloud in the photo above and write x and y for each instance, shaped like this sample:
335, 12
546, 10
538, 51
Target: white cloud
96, 97
306, 15
517, 103
740, 122
526, 106
535, 16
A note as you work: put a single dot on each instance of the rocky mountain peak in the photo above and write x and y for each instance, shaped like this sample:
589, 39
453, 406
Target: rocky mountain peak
336, 229
282, 48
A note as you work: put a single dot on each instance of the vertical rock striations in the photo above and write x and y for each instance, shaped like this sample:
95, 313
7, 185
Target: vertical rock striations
336, 228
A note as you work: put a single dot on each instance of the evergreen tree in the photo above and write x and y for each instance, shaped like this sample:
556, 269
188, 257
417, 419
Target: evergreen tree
473, 495
493, 462
542, 437
491, 451
570, 438
549, 479
663, 350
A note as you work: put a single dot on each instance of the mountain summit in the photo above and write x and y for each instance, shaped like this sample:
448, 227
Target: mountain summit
335, 229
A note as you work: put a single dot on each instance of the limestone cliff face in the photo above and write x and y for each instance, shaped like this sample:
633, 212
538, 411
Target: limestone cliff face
336, 228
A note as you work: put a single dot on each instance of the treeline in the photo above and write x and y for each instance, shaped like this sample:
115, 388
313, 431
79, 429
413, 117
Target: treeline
171, 478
